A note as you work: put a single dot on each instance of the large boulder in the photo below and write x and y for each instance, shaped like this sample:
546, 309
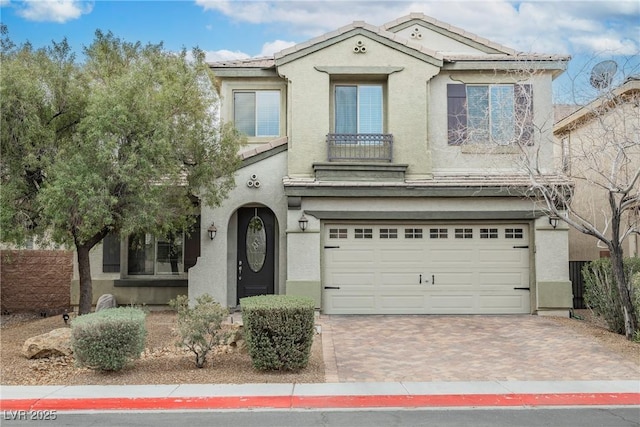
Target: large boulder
106, 301
54, 343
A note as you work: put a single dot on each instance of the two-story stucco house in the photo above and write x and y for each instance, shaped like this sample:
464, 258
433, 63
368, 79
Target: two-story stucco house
609, 126
382, 176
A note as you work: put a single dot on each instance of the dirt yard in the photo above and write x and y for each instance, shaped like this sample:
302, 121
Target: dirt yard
161, 363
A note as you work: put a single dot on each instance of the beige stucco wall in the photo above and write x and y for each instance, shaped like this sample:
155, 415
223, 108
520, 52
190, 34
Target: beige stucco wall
452, 159
310, 101
436, 41
619, 125
415, 110
215, 271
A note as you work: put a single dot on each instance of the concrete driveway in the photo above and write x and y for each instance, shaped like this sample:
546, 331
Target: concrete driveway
464, 348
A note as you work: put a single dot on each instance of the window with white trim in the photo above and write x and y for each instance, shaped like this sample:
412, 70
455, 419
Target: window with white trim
363, 233
257, 113
338, 233
464, 233
358, 109
513, 233
488, 233
388, 233
438, 233
413, 233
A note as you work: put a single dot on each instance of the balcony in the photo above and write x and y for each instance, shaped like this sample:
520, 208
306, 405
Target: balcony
366, 147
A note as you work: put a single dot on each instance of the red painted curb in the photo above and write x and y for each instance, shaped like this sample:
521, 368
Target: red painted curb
316, 402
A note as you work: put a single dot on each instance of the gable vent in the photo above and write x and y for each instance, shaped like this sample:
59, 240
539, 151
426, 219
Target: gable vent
416, 34
359, 47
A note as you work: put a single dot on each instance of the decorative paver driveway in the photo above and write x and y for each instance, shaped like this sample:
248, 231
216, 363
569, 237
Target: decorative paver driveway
464, 348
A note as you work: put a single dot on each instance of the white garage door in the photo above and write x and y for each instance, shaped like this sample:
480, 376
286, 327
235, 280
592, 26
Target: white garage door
426, 269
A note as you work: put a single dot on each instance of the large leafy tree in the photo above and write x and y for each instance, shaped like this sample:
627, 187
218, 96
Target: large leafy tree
126, 140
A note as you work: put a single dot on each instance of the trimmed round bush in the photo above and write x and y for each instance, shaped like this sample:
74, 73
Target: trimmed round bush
278, 331
109, 339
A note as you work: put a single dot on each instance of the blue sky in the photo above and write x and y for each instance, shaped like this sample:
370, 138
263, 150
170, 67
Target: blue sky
590, 31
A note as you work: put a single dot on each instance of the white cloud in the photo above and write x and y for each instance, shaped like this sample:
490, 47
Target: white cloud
59, 11
539, 26
269, 48
224, 55
5, 3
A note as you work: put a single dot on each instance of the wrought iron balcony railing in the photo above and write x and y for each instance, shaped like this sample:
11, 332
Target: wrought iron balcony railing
361, 146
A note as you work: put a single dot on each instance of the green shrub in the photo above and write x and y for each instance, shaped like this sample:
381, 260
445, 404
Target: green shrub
601, 293
278, 331
109, 339
200, 326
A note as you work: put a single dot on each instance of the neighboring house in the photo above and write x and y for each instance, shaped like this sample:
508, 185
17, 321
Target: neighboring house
615, 116
381, 177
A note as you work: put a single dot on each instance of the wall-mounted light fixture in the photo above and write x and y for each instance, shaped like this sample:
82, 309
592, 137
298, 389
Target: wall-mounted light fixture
212, 230
553, 220
303, 222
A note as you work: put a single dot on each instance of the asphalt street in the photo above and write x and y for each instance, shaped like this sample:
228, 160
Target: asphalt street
489, 417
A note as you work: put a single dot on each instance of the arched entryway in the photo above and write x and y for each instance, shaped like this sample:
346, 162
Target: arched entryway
256, 251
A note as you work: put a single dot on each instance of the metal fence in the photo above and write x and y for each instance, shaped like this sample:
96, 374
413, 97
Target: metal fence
361, 146
577, 281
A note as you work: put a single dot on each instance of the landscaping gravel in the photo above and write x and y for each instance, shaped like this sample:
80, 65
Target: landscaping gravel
161, 363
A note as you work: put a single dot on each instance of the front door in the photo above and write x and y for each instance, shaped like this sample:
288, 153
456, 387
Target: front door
256, 244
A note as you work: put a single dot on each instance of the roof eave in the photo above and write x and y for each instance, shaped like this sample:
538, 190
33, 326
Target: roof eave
631, 85
556, 65
388, 39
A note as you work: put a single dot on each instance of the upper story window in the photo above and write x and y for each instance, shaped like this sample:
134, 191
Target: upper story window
257, 113
500, 114
358, 109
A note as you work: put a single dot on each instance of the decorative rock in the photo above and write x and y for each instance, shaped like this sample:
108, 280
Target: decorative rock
235, 336
106, 301
54, 343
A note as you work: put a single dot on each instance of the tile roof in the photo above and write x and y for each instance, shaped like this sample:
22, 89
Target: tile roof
355, 26
259, 62
264, 147
507, 54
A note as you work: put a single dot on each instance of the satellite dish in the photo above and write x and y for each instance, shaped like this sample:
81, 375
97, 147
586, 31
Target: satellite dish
602, 74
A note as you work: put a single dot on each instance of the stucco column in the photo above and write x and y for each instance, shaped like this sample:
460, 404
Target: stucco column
554, 294
303, 261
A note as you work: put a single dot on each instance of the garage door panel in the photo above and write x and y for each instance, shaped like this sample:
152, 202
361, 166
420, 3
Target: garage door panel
396, 280
352, 256
511, 303
500, 256
351, 302
361, 280
503, 279
452, 256
401, 256
401, 303
452, 279
451, 303
477, 268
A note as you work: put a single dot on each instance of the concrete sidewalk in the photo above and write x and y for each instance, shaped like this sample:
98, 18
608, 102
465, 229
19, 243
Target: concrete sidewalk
324, 395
